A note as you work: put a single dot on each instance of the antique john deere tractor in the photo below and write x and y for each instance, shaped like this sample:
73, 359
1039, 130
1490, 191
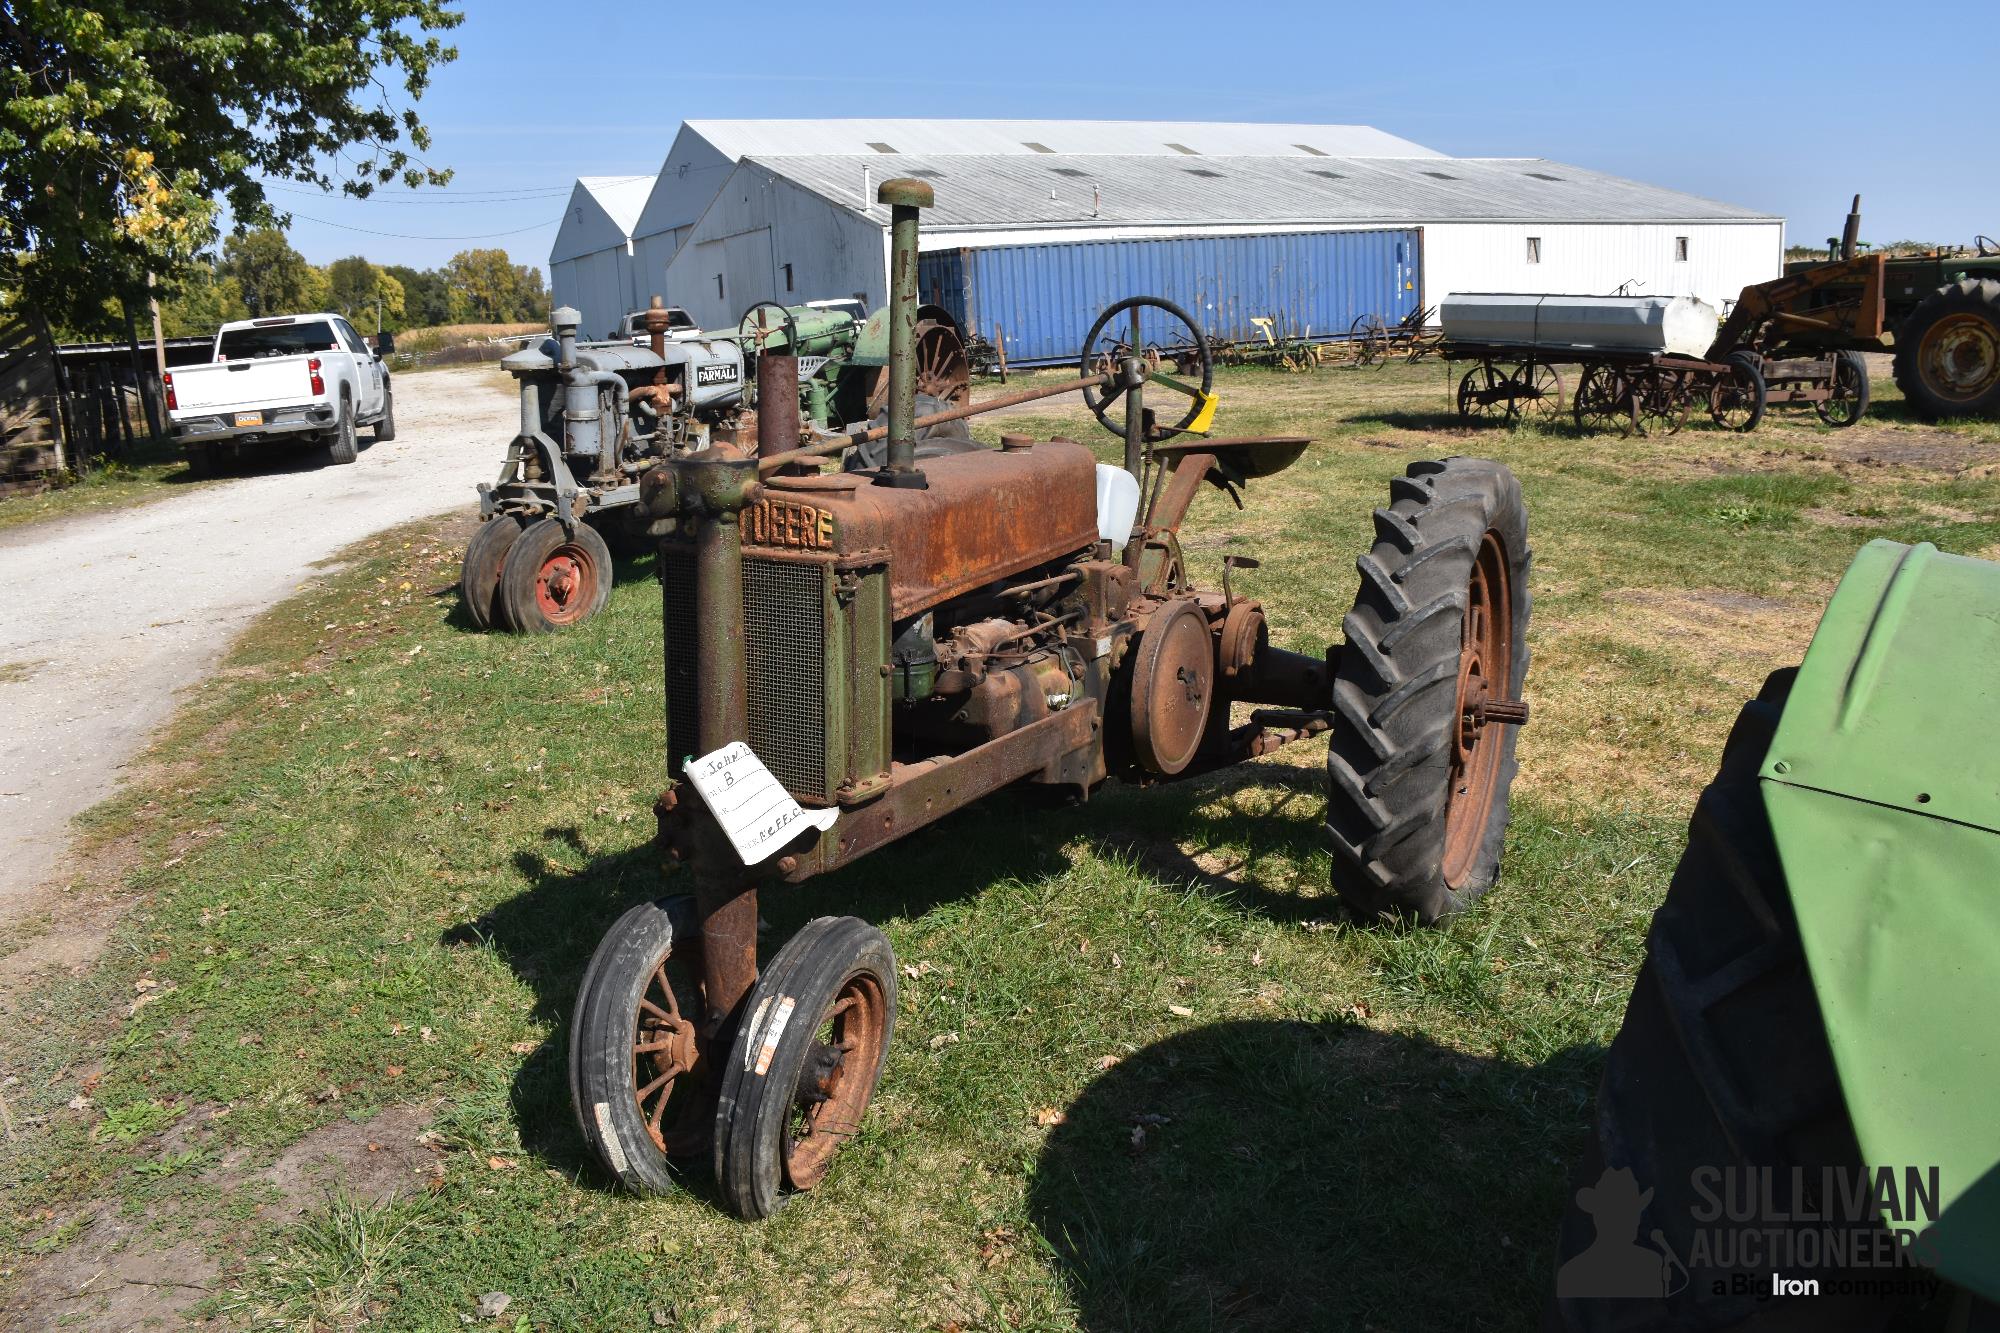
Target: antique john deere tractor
595, 415
1815, 1008
853, 655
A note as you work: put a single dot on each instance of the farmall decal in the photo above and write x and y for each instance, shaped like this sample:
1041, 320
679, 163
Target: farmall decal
772, 522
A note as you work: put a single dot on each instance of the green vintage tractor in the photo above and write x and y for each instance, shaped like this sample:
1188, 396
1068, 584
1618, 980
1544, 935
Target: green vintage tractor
1796, 1124
1942, 313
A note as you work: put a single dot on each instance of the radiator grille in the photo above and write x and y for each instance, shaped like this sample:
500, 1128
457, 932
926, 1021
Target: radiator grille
683, 656
784, 633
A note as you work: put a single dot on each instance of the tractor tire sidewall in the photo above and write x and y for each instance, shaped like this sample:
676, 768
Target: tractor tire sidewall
1722, 1061
1395, 691
518, 573
479, 574
344, 448
385, 427
1968, 295
600, 1052
753, 1110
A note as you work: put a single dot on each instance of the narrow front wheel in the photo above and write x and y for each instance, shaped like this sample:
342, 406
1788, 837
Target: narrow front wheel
553, 579
805, 1062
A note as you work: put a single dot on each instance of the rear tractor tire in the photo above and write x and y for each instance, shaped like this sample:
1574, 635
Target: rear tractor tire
551, 580
1722, 1062
1426, 697
1948, 352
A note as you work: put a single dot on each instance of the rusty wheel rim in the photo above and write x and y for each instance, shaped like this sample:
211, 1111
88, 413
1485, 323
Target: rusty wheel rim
838, 1078
1485, 663
667, 1070
1961, 357
566, 584
1844, 391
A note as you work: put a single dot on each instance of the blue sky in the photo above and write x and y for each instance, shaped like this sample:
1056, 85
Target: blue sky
1785, 108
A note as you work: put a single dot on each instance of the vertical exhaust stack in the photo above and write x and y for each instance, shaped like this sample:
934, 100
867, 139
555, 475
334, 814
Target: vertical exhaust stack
904, 197
1850, 235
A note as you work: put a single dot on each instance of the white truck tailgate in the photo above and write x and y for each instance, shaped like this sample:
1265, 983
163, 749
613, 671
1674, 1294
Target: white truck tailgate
266, 382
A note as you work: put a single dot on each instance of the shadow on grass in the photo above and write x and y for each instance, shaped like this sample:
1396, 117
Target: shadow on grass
1437, 423
1290, 1175
547, 933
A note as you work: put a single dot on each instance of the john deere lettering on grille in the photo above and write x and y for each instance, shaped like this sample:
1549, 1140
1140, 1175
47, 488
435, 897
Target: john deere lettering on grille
757, 813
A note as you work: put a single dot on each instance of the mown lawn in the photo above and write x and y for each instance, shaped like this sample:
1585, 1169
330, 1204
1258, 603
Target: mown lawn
1144, 1076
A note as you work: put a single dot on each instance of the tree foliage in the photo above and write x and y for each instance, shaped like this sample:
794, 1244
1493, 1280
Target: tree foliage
274, 279
487, 287
361, 291
206, 300
121, 124
426, 296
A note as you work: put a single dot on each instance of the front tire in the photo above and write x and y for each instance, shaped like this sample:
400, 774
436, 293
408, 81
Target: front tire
385, 427
637, 1076
1948, 352
1417, 778
479, 575
551, 580
804, 1063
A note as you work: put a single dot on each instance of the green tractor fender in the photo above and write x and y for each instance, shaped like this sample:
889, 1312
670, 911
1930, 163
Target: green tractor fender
1882, 785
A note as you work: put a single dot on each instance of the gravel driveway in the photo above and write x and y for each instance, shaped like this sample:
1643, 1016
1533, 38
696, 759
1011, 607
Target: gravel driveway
112, 613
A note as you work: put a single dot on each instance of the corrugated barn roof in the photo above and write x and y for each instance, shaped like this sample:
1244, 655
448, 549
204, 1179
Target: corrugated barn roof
1007, 192
1170, 138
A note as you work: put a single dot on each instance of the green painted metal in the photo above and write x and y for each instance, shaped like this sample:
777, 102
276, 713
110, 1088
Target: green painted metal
1883, 789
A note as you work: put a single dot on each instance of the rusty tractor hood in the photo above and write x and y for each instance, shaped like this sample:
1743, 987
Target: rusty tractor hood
986, 515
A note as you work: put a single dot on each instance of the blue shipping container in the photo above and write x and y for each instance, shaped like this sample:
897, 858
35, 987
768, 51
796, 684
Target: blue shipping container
1045, 297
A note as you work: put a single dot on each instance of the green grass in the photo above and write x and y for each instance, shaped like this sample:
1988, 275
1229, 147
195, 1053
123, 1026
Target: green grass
386, 846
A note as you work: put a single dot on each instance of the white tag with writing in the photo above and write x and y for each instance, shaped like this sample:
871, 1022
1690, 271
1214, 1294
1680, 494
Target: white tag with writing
757, 813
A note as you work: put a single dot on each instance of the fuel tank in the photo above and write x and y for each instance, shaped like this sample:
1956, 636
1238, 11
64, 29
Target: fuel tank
987, 514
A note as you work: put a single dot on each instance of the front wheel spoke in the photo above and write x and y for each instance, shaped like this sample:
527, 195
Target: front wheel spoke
668, 1077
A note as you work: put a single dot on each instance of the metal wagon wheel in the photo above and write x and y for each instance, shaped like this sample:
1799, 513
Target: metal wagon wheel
1600, 401
1538, 393
1371, 340
944, 371
1661, 402
1483, 394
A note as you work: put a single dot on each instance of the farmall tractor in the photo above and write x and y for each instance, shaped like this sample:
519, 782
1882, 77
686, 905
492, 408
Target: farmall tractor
855, 654
595, 415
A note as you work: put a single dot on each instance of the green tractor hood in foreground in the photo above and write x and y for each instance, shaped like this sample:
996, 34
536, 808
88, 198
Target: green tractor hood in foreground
1883, 788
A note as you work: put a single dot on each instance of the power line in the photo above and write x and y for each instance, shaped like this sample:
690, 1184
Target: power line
406, 236
451, 196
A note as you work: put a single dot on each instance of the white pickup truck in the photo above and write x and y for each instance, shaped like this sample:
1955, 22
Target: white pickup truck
308, 378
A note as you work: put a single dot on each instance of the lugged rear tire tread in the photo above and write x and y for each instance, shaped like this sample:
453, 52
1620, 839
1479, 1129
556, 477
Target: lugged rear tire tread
1395, 690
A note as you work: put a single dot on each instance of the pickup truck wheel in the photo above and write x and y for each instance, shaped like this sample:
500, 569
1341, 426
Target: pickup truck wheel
551, 580
200, 461
385, 428
342, 448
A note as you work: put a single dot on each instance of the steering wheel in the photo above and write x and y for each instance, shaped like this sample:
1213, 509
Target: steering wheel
1101, 354
1986, 245
756, 337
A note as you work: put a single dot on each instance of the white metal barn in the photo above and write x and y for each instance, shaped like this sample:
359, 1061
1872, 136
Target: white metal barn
590, 264
743, 211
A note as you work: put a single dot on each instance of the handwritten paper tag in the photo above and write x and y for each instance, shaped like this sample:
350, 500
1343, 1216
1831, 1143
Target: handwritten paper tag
757, 813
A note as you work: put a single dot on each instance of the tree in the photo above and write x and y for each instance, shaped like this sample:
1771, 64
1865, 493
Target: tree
426, 297
361, 291
487, 287
274, 278
121, 122
206, 300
